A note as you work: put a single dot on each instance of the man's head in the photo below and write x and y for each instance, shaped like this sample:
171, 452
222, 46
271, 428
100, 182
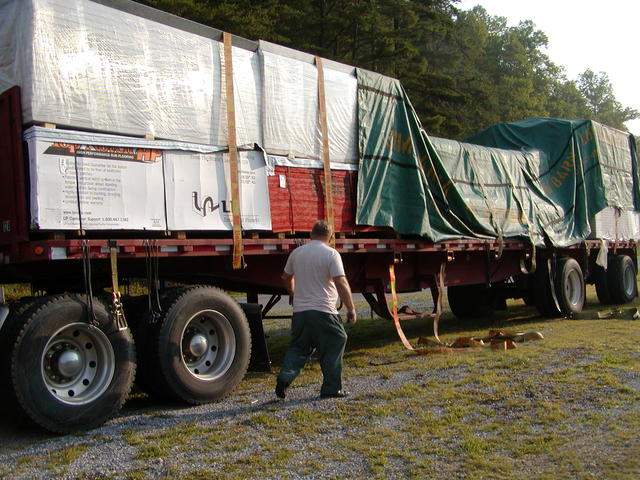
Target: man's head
321, 231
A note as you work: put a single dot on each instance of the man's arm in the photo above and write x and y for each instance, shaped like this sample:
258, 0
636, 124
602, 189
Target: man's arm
289, 284
344, 290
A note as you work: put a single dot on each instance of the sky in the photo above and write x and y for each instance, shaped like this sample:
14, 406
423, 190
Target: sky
602, 36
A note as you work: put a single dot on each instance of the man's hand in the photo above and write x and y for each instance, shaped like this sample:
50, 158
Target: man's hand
344, 291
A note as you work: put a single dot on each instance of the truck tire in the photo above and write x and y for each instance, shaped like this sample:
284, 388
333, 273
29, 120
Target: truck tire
203, 345
602, 285
544, 294
68, 375
145, 331
621, 279
471, 301
10, 330
570, 286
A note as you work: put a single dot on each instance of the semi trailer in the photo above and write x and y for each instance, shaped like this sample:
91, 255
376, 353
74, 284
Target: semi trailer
197, 168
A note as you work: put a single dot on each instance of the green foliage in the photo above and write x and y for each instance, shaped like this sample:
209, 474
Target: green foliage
463, 70
598, 91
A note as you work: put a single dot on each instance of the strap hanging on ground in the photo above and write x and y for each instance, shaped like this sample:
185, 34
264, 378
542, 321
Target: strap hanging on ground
324, 148
437, 291
238, 258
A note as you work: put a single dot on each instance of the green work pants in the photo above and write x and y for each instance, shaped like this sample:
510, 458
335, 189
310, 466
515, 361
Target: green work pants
324, 332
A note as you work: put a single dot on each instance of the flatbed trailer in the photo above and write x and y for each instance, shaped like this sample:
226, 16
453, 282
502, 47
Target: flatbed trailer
69, 352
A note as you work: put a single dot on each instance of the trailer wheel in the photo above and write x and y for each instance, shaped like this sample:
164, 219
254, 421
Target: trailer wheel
570, 286
203, 345
145, 330
68, 375
10, 330
602, 285
471, 301
544, 295
621, 279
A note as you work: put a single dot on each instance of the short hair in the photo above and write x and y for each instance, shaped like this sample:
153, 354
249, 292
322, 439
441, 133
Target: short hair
321, 229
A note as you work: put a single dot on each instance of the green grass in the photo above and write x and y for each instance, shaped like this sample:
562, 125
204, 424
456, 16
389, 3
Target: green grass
564, 407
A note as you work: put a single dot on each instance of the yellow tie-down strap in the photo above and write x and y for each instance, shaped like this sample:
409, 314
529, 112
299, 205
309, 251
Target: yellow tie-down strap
496, 339
238, 248
326, 162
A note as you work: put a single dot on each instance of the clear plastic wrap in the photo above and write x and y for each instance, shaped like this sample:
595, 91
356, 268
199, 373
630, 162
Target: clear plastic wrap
85, 65
290, 109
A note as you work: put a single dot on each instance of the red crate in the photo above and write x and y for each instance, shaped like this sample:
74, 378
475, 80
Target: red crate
298, 201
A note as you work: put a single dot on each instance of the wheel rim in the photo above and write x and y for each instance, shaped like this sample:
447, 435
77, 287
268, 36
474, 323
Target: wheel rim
629, 279
573, 287
208, 345
78, 364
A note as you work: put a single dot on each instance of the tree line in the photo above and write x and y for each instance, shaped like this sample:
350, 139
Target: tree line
463, 70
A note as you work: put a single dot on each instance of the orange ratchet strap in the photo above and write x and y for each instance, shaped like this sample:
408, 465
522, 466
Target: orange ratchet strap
238, 251
436, 315
324, 149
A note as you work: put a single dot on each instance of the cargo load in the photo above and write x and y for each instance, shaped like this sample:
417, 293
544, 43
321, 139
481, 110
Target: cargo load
590, 170
87, 65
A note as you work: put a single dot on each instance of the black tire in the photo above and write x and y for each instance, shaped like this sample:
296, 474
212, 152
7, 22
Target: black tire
602, 285
544, 294
471, 301
218, 321
146, 329
570, 286
8, 335
101, 379
529, 298
621, 279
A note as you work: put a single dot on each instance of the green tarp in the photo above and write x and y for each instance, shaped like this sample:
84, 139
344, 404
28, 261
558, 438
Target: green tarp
585, 166
540, 179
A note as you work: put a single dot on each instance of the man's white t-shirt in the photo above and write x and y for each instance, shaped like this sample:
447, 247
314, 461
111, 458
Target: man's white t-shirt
313, 267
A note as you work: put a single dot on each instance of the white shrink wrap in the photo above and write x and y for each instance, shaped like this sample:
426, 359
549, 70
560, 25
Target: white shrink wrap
613, 224
290, 109
85, 65
341, 90
138, 184
199, 191
120, 186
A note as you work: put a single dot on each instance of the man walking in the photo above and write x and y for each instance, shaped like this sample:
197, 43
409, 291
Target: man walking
314, 277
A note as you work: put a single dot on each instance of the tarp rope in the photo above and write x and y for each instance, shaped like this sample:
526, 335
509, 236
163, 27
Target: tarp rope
238, 248
326, 162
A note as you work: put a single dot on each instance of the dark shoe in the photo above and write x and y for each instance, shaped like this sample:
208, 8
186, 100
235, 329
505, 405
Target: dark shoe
338, 394
281, 388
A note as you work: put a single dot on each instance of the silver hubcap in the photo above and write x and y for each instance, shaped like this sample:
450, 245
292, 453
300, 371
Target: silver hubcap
574, 287
198, 345
78, 364
629, 281
70, 363
208, 345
